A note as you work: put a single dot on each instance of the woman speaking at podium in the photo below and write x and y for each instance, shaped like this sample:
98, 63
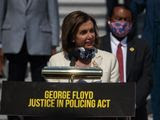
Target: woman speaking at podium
80, 43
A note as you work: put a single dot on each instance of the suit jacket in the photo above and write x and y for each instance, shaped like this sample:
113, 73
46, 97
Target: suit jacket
139, 66
37, 20
151, 28
106, 61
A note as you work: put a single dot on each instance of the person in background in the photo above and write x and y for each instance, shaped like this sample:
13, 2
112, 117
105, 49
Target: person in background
29, 32
134, 55
110, 4
2, 62
79, 44
151, 34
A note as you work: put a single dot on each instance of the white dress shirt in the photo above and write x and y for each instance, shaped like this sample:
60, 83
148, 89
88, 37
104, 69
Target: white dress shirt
114, 46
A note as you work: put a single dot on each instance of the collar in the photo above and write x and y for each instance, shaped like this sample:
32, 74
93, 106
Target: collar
116, 42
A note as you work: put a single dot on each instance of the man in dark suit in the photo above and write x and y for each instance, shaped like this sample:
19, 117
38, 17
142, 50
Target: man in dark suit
135, 61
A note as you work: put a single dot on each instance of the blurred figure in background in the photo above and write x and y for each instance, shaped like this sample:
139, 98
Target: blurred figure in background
29, 33
151, 34
110, 4
2, 62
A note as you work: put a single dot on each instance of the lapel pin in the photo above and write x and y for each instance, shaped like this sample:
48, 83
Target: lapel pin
131, 49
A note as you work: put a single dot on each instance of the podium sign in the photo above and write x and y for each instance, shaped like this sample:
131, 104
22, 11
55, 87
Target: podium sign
68, 99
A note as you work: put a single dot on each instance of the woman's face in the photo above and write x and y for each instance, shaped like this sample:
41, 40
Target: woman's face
85, 36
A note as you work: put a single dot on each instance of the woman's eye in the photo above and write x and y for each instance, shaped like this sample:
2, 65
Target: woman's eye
92, 31
83, 32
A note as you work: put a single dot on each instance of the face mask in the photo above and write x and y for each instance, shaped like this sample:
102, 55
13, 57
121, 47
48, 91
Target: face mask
120, 28
82, 53
86, 53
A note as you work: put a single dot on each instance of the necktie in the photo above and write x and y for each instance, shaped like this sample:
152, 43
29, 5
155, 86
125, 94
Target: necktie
120, 61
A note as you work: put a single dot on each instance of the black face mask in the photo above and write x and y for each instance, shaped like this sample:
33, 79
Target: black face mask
82, 53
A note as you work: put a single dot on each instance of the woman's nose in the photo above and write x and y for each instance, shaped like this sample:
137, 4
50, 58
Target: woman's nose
90, 35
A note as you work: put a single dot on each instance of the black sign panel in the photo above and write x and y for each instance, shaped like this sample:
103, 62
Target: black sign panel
68, 99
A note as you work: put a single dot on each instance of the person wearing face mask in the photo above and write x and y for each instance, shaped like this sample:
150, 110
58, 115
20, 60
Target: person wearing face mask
79, 44
134, 55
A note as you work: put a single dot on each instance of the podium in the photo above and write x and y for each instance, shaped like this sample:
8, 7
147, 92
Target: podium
71, 73
97, 100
